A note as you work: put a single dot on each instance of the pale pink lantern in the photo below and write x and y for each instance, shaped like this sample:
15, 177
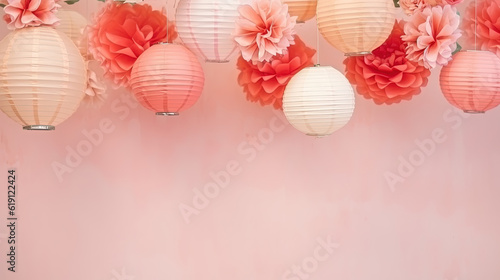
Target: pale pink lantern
167, 79
206, 26
356, 27
42, 77
73, 25
471, 81
303, 9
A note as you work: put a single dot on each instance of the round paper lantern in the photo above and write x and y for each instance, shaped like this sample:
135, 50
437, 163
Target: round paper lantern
471, 81
356, 27
318, 101
167, 79
206, 27
303, 9
73, 25
42, 77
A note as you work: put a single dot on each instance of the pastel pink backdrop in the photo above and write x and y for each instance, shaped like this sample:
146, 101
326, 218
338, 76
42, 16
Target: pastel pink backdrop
117, 213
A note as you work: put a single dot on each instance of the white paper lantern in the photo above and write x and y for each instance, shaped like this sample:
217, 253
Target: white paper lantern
303, 9
73, 25
42, 77
206, 27
318, 101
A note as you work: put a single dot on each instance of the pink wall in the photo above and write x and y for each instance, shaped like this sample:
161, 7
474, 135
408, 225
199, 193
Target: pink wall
323, 205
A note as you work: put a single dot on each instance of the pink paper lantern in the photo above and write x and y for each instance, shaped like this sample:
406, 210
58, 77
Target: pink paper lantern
206, 27
471, 81
42, 77
167, 79
303, 9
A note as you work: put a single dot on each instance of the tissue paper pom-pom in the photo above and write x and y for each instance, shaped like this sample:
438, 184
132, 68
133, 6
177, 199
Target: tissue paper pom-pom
386, 75
120, 33
410, 6
95, 94
432, 35
488, 25
23, 13
265, 82
264, 29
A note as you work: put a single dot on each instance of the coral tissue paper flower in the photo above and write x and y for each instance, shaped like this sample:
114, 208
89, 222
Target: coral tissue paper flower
23, 13
122, 32
488, 25
386, 75
432, 35
265, 82
264, 29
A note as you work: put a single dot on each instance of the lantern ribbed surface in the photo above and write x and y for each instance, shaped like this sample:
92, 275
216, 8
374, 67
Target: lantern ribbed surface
42, 77
206, 27
167, 78
471, 81
356, 27
318, 101
73, 25
303, 9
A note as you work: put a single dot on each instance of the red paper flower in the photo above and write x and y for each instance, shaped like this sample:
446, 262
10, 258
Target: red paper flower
386, 75
265, 82
432, 35
264, 29
122, 32
488, 25
22, 13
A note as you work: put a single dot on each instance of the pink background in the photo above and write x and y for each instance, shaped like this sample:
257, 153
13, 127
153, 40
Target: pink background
116, 214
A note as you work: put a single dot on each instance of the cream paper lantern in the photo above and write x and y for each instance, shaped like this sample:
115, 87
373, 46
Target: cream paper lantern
206, 27
318, 101
356, 27
42, 77
73, 24
303, 9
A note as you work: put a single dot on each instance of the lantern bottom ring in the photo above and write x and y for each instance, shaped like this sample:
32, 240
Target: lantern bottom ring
216, 61
317, 135
168, 114
473, 112
358, 53
39, 127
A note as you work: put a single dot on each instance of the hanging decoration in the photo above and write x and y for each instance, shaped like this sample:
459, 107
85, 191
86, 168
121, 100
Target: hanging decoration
304, 10
355, 27
95, 94
471, 81
73, 25
318, 101
121, 32
386, 76
432, 35
167, 79
265, 82
487, 36
206, 26
43, 73
264, 29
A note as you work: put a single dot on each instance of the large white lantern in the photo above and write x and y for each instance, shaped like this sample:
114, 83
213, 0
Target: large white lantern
42, 77
206, 27
318, 101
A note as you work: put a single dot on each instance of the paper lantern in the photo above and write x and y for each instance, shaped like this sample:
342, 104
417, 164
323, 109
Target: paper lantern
318, 101
471, 81
73, 25
167, 79
206, 27
42, 77
356, 27
303, 9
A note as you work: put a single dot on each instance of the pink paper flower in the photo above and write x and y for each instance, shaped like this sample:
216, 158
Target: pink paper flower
264, 29
488, 25
22, 13
454, 2
265, 82
386, 75
122, 32
432, 35
410, 6
95, 94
